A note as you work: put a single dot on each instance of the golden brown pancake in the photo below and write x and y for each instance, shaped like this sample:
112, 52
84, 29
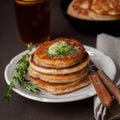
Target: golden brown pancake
43, 59
58, 78
61, 74
106, 7
62, 88
95, 9
84, 62
80, 9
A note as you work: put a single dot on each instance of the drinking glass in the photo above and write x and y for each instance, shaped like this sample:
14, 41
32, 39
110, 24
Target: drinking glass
33, 20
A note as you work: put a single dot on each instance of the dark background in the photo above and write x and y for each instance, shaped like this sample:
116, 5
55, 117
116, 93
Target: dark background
20, 108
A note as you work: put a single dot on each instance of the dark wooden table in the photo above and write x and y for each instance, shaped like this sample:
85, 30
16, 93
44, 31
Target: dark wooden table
20, 108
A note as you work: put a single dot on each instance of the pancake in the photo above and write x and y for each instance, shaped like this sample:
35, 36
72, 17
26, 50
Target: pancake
84, 62
41, 57
58, 78
59, 66
95, 9
62, 88
80, 9
106, 7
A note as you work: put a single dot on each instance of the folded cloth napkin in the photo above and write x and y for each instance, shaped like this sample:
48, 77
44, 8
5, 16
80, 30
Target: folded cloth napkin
110, 46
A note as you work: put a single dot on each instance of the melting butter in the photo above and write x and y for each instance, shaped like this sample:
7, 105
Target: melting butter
60, 49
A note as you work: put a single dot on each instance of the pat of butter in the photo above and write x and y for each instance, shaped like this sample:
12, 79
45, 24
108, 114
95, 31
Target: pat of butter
60, 49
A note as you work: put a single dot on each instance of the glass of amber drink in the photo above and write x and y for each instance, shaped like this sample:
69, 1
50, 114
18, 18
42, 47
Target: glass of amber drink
33, 20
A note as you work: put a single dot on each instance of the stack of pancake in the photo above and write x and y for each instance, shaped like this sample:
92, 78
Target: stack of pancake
95, 9
63, 73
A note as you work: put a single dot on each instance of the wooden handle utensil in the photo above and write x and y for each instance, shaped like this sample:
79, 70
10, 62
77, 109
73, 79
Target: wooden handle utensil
110, 85
102, 92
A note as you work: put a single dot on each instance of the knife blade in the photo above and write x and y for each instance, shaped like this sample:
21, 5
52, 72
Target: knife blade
93, 67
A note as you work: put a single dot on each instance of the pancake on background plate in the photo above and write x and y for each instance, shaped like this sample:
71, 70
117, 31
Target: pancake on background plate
59, 66
95, 9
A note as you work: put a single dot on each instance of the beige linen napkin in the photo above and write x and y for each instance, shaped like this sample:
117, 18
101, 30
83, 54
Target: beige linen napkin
110, 46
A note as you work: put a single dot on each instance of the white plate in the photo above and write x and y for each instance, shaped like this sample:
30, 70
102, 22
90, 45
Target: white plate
101, 60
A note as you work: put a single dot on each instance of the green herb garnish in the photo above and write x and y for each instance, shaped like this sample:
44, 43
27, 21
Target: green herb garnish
60, 49
19, 77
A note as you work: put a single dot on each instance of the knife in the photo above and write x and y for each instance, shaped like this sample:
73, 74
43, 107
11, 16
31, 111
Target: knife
110, 85
102, 92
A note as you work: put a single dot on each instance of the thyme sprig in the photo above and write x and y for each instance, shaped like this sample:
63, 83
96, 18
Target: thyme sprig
19, 77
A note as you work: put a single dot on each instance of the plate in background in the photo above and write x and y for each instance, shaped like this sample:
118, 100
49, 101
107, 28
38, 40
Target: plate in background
90, 26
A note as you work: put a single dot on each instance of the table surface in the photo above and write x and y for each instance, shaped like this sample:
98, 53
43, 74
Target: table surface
20, 108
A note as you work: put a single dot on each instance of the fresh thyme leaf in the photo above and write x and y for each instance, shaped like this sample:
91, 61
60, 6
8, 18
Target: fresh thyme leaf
29, 86
19, 77
8, 92
24, 58
29, 46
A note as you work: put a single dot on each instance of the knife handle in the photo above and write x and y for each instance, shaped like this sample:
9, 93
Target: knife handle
102, 92
110, 85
